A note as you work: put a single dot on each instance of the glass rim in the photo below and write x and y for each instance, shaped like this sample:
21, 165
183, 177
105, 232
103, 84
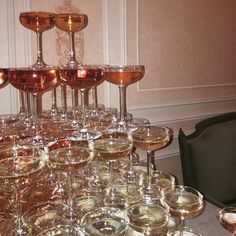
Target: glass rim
182, 187
126, 67
37, 12
47, 68
71, 13
82, 66
227, 208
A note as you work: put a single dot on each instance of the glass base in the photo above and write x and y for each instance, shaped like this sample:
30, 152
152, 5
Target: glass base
62, 230
24, 229
186, 232
106, 227
84, 134
116, 200
122, 127
95, 185
36, 141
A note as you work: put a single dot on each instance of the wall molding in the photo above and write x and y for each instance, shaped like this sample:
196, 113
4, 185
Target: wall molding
189, 103
184, 87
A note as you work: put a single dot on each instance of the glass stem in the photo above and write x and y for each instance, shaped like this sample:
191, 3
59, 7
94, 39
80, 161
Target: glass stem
111, 174
27, 120
82, 94
19, 219
39, 62
54, 109
94, 97
76, 99
131, 167
63, 102
149, 159
74, 110
122, 96
72, 61
181, 227
28, 104
35, 114
70, 197
22, 103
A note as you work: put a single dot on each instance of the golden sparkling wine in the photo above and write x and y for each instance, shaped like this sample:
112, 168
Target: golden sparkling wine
147, 217
82, 77
112, 148
37, 21
19, 168
71, 22
148, 139
123, 77
185, 205
33, 80
69, 158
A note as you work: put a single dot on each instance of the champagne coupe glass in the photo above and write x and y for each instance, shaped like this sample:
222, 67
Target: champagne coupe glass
123, 76
4, 81
163, 179
132, 176
3, 77
44, 216
17, 170
147, 218
96, 108
105, 221
82, 77
70, 157
112, 147
35, 81
184, 203
151, 138
38, 22
227, 218
62, 230
71, 23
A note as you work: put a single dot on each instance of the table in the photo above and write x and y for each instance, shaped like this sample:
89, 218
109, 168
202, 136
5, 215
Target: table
207, 223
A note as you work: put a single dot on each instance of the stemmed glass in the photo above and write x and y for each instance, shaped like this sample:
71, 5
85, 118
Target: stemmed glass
131, 176
71, 23
105, 221
4, 81
227, 218
82, 77
184, 203
68, 156
15, 170
148, 218
112, 147
62, 230
3, 77
38, 22
123, 76
150, 139
35, 81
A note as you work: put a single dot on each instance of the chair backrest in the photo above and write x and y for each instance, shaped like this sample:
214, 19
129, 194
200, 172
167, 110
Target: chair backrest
208, 158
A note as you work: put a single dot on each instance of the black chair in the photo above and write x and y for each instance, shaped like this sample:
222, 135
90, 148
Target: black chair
208, 159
